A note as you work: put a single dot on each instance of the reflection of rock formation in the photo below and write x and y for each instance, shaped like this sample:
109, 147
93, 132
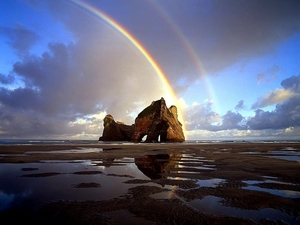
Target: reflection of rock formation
108, 162
153, 166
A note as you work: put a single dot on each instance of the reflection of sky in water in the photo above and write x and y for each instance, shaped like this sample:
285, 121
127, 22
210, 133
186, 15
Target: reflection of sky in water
14, 188
287, 154
290, 154
210, 182
282, 193
81, 150
212, 205
286, 157
9, 200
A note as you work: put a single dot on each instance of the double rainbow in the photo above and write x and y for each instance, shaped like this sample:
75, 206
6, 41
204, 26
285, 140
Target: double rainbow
97, 12
188, 49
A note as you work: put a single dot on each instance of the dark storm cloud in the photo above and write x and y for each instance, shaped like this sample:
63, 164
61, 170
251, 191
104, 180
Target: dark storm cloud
284, 116
292, 83
20, 98
66, 87
220, 32
19, 38
89, 74
238, 29
9, 79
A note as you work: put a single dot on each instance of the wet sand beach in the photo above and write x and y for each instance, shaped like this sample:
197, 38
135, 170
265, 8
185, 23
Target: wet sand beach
126, 183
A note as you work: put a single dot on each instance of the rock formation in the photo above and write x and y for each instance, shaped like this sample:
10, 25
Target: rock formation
156, 122
116, 131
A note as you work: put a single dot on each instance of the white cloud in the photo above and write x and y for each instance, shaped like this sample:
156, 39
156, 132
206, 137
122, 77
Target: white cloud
274, 97
289, 130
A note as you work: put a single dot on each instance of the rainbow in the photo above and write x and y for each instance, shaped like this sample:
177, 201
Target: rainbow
97, 12
189, 50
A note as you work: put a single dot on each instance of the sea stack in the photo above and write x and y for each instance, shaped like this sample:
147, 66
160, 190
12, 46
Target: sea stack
116, 131
157, 122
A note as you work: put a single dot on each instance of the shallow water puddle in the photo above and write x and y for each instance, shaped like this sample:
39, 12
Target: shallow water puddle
210, 182
290, 154
212, 205
200, 167
81, 150
283, 193
124, 160
103, 179
57, 180
286, 157
287, 154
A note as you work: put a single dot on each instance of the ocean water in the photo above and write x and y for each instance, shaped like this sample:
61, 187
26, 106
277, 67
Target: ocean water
67, 142
44, 141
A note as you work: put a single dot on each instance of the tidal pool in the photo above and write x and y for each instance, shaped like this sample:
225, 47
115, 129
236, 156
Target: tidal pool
173, 174
252, 185
213, 205
56, 180
80, 150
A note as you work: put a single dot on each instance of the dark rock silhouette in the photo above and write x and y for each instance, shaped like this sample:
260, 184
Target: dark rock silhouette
116, 131
157, 122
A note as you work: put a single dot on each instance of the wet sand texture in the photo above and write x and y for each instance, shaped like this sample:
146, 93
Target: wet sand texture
245, 177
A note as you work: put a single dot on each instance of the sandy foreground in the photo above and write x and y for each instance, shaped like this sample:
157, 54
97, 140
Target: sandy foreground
255, 183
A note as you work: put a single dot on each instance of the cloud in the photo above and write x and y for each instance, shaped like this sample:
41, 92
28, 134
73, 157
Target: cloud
292, 83
230, 120
269, 75
220, 33
274, 97
20, 38
9, 79
68, 83
200, 116
287, 111
285, 115
284, 120
289, 130
62, 90
240, 105
253, 28
266, 134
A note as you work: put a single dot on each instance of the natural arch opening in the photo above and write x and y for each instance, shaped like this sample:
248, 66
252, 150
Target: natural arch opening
144, 138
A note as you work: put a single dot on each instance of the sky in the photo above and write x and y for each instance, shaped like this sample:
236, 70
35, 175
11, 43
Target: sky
231, 67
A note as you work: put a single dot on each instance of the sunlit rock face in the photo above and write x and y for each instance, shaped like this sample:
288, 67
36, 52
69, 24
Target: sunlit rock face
158, 122
116, 131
